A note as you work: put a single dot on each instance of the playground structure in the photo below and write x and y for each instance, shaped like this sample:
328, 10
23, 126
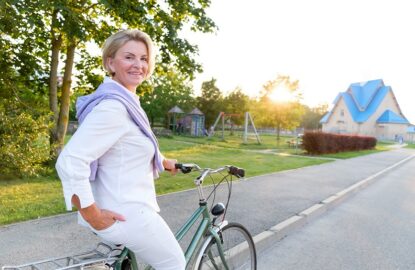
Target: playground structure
248, 119
173, 115
190, 124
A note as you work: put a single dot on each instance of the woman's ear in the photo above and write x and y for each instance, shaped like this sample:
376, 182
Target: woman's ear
110, 64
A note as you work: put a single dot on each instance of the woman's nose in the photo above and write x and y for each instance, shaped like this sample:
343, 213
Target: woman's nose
138, 63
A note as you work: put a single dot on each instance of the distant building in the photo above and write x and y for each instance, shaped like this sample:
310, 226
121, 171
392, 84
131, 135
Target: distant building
367, 108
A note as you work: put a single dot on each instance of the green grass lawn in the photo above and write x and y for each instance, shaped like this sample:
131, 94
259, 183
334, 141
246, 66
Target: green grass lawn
410, 145
23, 199
236, 141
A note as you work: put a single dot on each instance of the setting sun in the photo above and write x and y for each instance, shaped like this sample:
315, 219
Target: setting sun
282, 94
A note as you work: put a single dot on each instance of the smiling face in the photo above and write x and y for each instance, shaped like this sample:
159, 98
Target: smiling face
130, 64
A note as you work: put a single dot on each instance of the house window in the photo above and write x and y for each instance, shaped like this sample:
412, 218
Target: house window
340, 122
341, 112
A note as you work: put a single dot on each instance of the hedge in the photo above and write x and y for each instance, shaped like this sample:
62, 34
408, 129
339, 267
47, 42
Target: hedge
327, 143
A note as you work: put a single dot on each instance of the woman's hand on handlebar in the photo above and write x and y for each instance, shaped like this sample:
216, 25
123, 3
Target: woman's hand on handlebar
169, 165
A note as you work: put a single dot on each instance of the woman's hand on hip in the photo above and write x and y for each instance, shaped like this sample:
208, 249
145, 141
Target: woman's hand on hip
169, 165
105, 219
99, 219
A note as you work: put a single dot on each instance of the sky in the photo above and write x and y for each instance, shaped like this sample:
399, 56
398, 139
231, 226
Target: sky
325, 44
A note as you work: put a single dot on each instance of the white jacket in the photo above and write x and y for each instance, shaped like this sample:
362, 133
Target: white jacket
125, 156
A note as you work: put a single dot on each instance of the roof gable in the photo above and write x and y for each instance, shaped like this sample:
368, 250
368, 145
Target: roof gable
175, 109
362, 116
196, 111
363, 93
390, 117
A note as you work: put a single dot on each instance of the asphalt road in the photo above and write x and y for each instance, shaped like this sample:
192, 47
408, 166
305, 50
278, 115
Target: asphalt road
372, 230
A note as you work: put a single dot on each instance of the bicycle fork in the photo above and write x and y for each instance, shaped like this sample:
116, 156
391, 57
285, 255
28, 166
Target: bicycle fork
215, 233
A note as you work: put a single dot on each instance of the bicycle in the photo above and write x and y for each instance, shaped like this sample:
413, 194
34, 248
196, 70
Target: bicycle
216, 244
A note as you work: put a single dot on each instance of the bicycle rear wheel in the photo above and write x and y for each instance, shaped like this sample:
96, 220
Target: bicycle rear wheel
238, 248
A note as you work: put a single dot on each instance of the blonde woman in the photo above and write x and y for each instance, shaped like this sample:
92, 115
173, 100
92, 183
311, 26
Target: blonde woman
108, 167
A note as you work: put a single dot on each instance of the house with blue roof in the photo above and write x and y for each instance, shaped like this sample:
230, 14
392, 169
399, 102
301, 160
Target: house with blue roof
369, 109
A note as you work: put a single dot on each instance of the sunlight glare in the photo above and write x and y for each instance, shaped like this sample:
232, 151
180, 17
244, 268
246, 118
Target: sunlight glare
281, 94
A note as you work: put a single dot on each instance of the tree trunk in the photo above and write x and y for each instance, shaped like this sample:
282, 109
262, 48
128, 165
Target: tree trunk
53, 79
65, 97
53, 91
53, 84
278, 132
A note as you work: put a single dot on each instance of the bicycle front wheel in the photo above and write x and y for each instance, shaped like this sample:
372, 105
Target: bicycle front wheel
238, 249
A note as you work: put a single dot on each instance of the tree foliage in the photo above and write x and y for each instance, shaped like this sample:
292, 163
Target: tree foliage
312, 116
236, 102
41, 34
23, 140
210, 102
170, 88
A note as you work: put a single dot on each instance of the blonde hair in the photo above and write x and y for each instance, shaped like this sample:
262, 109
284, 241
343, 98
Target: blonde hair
117, 40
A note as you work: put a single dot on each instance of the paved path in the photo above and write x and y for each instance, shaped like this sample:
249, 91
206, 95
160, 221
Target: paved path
372, 230
258, 202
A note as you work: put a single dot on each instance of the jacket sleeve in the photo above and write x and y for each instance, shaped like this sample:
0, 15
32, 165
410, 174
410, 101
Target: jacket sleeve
100, 130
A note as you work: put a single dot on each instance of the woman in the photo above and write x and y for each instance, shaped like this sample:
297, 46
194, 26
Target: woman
109, 165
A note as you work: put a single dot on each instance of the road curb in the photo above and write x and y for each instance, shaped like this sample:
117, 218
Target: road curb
276, 233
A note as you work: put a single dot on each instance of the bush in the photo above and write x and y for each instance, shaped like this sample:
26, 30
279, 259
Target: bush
327, 143
24, 142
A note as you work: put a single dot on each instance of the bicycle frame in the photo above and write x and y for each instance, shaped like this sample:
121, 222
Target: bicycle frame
205, 228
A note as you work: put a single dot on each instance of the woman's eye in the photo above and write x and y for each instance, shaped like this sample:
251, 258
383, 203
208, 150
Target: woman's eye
144, 59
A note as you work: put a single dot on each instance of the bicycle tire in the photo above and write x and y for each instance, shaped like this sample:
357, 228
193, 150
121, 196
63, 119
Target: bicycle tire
238, 247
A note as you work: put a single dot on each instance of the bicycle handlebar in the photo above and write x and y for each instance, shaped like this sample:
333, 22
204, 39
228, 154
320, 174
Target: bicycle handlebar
188, 167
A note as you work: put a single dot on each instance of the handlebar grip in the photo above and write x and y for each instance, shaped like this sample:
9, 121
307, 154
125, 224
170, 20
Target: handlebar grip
238, 172
183, 168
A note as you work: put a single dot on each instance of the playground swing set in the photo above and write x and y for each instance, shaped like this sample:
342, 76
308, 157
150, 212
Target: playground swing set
248, 119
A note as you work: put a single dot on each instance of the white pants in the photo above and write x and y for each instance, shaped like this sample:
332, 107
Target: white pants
146, 234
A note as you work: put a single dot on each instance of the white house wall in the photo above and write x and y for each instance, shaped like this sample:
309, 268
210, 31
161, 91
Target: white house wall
340, 123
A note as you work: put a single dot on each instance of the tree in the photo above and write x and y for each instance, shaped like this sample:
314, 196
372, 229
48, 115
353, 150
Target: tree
210, 102
170, 89
312, 116
22, 114
236, 102
279, 114
70, 25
